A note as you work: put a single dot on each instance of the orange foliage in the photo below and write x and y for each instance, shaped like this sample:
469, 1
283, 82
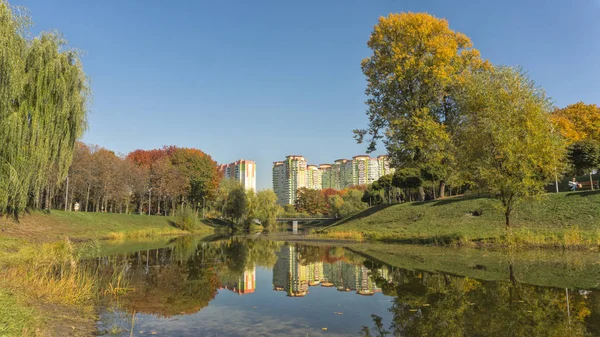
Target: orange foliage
578, 121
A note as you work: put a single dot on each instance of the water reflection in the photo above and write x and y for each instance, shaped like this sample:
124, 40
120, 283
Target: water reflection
241, 287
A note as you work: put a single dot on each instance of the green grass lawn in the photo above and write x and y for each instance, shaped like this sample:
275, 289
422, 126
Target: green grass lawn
57, 225
16, 319
555, 219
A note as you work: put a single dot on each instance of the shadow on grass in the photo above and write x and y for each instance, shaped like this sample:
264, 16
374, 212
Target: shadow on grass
216, 223
362, 214
583, 194
453, 199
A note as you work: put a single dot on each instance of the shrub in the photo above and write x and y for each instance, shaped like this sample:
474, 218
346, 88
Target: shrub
186, 219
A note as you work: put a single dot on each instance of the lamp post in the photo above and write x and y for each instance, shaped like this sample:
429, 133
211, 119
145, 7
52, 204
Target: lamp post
67, 194
149, 200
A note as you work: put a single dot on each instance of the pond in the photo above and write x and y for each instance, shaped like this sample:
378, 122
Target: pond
258, 287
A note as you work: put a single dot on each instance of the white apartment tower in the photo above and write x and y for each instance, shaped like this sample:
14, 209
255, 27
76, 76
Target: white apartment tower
288, 176
243, 171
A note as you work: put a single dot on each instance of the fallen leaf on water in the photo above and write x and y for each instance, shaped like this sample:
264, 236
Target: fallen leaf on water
324, 329
426, 305
254, 307
142, 331
154, 333
412, 310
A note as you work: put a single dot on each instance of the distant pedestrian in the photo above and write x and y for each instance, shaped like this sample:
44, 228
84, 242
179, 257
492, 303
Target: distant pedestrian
573, 184
76, 207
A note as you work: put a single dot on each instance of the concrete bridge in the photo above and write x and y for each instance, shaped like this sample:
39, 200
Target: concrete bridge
304, 219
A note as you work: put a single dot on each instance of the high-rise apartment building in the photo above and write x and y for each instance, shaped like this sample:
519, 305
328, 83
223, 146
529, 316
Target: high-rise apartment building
288, 176
313, 177
293, 173
384, 165
243, 171
326, 178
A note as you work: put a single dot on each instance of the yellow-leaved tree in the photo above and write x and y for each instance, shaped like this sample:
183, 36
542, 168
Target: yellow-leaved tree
579, 123
416, 65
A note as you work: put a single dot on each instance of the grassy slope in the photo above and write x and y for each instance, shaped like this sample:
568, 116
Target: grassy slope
40, 227
449, 220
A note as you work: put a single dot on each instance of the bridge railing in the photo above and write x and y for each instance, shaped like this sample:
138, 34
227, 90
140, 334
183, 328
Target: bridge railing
305, 219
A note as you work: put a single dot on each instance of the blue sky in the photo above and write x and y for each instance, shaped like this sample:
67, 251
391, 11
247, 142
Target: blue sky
263, 79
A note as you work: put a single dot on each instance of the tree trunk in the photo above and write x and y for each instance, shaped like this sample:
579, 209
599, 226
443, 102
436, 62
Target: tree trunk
87, 198
421, 193
442, 189
434, 196
591, 181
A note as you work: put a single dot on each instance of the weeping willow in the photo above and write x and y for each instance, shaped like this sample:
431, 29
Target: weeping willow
43, 108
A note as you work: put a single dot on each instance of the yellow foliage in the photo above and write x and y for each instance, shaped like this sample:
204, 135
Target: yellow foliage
578, 121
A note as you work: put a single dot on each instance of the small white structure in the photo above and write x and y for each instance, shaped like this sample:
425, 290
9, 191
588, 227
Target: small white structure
76, 207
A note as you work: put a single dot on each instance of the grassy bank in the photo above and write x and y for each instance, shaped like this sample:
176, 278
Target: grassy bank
566, 220
45, 290
58, 225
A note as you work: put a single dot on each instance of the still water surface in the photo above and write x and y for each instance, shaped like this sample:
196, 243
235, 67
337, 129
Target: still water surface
244, 287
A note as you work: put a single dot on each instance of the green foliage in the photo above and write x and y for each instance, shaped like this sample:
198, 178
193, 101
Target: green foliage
352, 203
237, 205
186, 219
584, 156
407, 178
43, 109
267, 208
506, 139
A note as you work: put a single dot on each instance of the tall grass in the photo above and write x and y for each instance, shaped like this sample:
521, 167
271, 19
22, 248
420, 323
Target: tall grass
55, 273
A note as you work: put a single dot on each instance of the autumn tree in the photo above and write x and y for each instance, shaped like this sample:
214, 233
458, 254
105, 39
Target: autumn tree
310, 201
417, 64
506, 140
579, 123
199, 169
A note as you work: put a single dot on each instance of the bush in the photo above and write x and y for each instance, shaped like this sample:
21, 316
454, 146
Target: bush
186, 219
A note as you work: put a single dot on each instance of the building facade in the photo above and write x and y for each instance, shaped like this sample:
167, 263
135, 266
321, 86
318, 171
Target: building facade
313, 177
288, 176
326, 178
293, 173
243, 171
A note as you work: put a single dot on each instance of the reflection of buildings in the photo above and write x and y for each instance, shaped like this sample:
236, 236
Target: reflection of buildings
291, 276
245, 284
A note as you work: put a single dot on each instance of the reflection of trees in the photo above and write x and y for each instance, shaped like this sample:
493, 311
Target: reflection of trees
171, 290
184, 277
442, 305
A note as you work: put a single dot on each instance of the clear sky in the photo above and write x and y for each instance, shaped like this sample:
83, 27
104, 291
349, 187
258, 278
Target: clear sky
260, 79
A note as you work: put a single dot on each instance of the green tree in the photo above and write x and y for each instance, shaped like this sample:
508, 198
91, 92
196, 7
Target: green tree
585, 157
352, 203
43, 110
237, 205
417, 64
506, 141
267, 209
335, 205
